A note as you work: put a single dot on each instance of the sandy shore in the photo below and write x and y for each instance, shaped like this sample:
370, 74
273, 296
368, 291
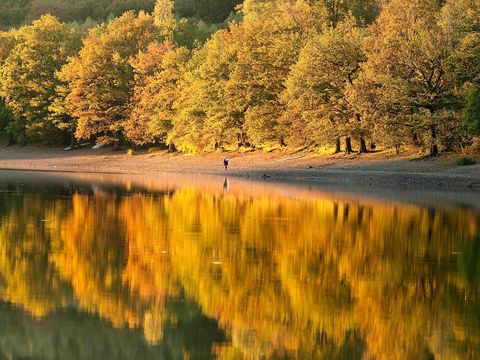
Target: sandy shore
374, 171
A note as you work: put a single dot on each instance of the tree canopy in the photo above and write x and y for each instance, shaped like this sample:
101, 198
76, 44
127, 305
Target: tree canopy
29, 74
100, 77
293, 73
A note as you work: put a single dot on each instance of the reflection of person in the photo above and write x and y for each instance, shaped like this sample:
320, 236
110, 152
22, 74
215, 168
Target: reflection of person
226, 161
225, 185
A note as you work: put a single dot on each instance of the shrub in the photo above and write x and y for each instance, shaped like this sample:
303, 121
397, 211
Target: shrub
465, 161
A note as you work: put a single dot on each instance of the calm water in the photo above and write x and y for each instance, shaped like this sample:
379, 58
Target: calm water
115, 268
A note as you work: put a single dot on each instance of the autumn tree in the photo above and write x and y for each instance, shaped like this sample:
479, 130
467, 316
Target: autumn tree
184, 32
28, 75
267, 43
6, 117
100, 78
60, 114
157, 73
408, 52
230, 92
282, 72
202, 121
318, 110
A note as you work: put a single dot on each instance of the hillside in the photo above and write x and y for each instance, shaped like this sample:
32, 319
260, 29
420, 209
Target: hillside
14, 13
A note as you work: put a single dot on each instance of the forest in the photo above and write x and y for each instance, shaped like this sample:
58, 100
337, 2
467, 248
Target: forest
345, 75
15, 13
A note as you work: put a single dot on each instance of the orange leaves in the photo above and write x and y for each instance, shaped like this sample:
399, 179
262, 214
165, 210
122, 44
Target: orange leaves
101, 77
157, 73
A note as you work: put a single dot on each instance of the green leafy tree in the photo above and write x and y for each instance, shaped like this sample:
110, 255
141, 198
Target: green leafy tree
12, 13
15, 13
472, 113
7, 43
461, 20
332, 12
193, 34
211, 11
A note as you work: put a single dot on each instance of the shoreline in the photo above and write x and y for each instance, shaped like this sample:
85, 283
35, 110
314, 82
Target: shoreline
168, 182
374, 171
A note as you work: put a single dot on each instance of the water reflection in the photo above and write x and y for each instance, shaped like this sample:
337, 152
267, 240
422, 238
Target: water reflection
92, 270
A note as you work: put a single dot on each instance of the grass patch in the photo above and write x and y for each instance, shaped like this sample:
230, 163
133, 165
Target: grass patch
466, 161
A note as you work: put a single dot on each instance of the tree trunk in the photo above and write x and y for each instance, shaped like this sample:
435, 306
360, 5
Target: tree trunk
172, 148
373, 147
363, 146
397, 149
240, 140
282, 142
348, 145
73, 141
338, 146
116, 141
415, 140
434, 147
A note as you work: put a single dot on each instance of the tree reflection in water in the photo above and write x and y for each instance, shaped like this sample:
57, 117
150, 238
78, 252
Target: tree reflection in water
201, 273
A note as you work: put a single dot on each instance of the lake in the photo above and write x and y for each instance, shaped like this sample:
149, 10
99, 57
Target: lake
174, 267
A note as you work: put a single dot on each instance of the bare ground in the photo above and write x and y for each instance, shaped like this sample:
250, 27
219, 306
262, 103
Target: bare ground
377, 170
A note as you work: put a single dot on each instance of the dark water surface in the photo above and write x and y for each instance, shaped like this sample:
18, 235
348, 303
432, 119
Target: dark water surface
106, 267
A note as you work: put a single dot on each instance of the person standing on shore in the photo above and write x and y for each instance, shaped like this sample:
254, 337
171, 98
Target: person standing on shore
226, 162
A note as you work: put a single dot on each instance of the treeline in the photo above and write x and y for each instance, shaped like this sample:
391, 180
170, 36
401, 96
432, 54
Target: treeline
284, 72
14, 13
